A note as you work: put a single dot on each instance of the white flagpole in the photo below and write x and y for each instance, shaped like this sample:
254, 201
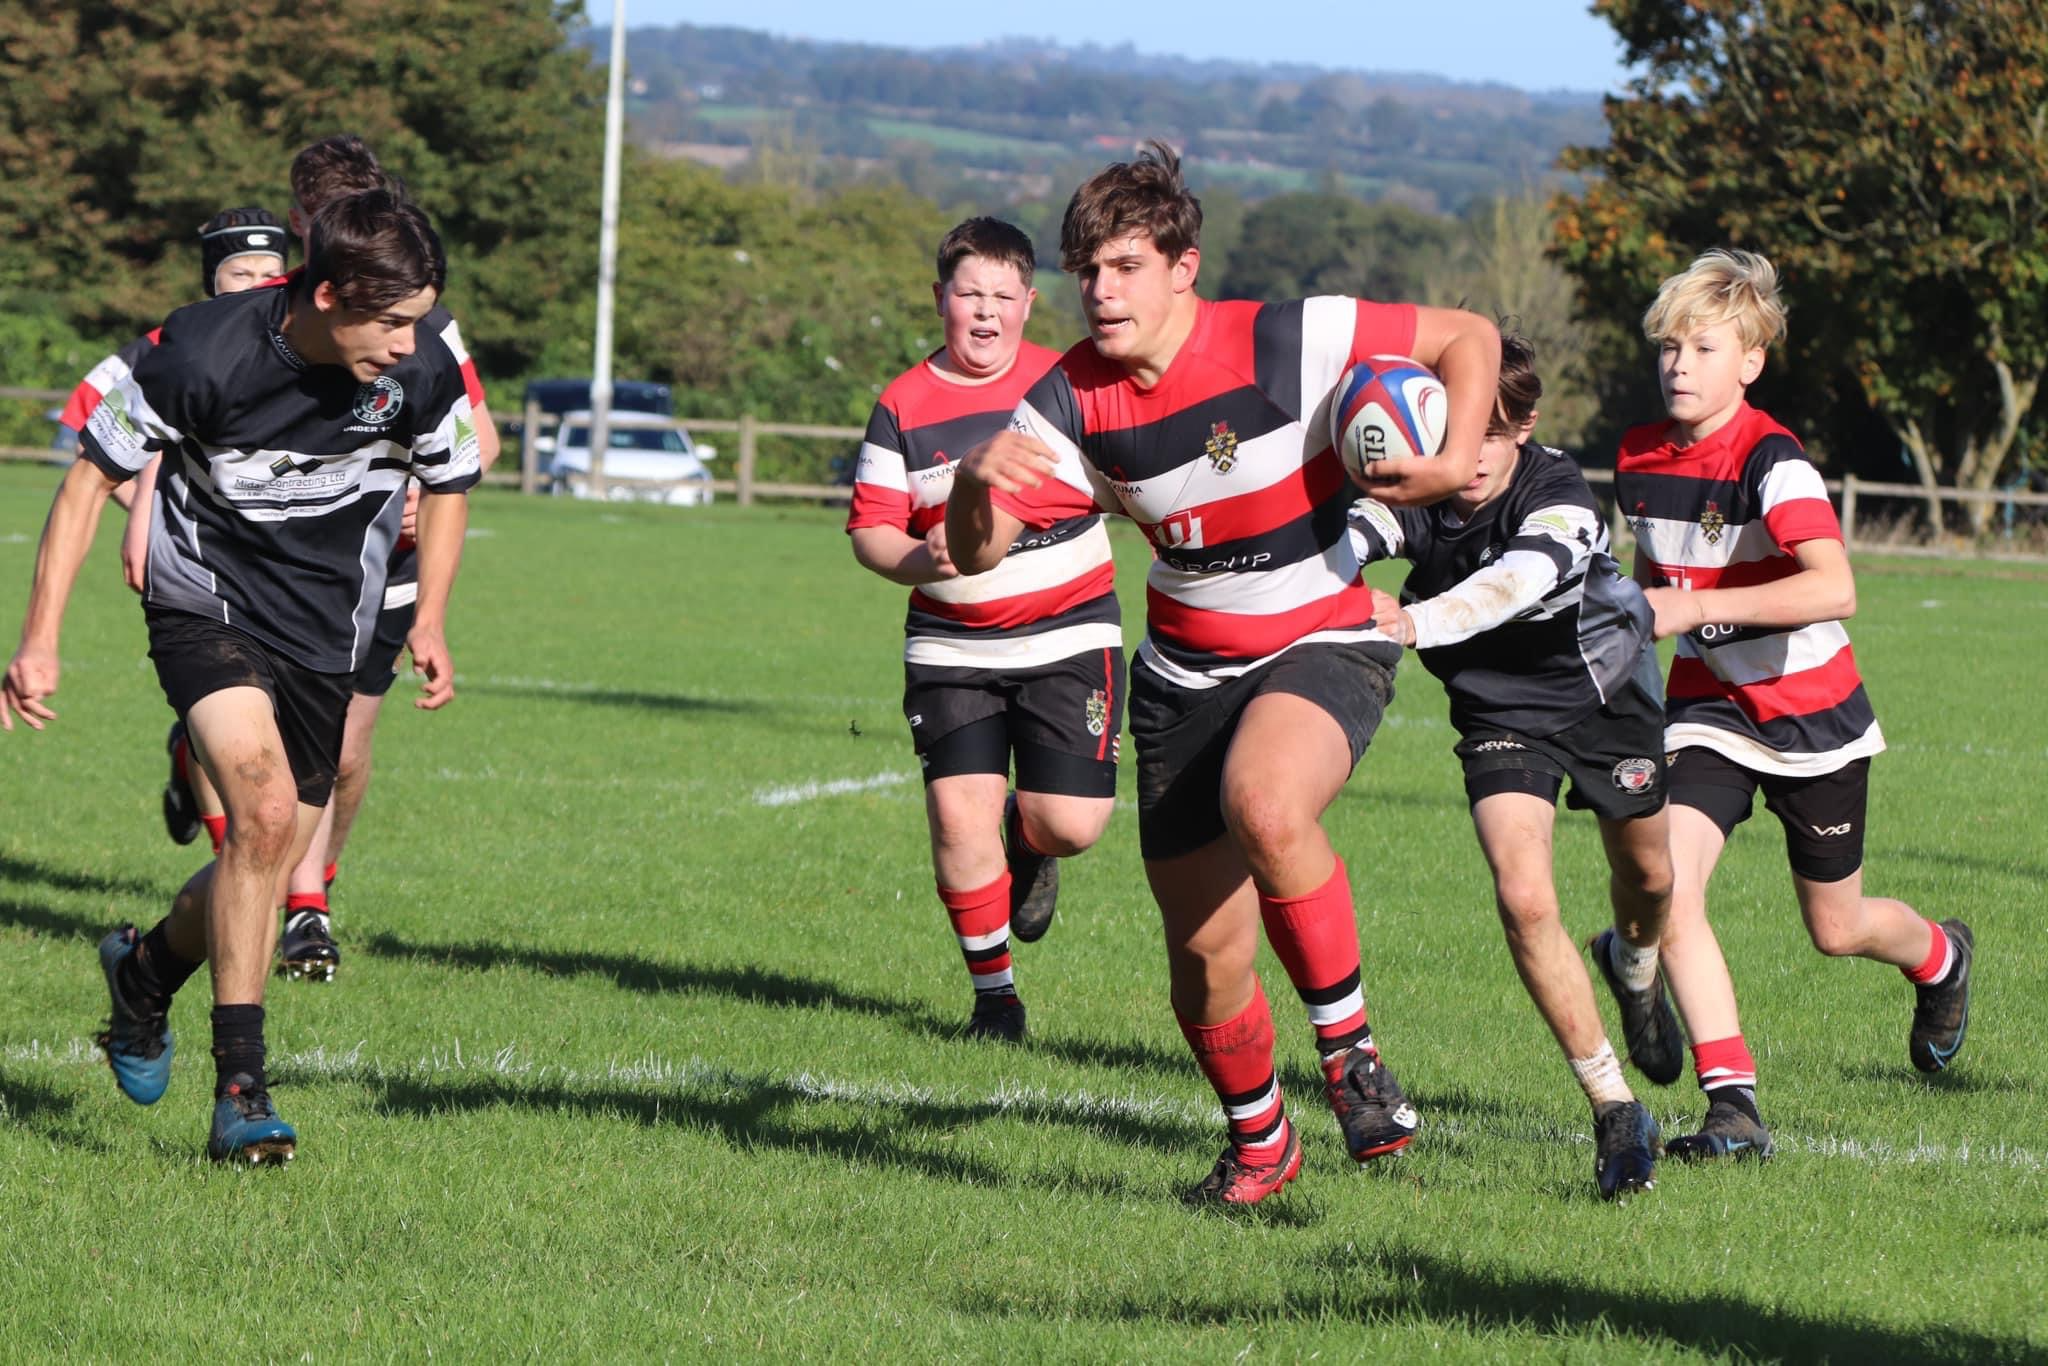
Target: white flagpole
607, 253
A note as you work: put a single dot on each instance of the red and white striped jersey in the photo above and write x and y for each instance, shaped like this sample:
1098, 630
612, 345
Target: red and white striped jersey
1727, 512
1226, 464
104, 379
1053, 595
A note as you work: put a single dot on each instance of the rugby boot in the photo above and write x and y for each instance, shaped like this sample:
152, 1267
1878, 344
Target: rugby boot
137, 1039
1371, 1110
307, 951
1728, 1131
246, 1127
181, 807
1649, 1028
996, 1017
1941, 1014
1234, 1181
1034, 880
1625, 1149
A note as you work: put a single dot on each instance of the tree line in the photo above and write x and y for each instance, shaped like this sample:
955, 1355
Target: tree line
1891, 157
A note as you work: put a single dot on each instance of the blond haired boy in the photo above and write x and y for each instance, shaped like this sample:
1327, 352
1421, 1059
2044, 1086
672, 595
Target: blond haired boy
1742, 559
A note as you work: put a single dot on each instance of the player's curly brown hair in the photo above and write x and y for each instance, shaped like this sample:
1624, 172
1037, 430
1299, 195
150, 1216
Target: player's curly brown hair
334, 166
1144, 195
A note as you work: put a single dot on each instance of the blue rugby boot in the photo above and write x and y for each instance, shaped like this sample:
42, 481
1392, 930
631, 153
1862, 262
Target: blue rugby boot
246, 1127
1626, 1144
1941, 1014
137, 1038
1727, 1131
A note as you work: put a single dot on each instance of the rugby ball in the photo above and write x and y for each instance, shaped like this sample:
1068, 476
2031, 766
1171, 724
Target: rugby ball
1386, 408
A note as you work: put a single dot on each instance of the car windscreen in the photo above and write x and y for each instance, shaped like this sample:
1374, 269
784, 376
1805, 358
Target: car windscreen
631, 439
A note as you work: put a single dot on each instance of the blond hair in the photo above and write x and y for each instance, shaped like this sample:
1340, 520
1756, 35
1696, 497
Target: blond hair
1722, 285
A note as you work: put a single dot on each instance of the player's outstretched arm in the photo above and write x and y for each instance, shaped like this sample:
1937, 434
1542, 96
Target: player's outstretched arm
67, 535
1824, 589
978, 533
1464, 350
443, 521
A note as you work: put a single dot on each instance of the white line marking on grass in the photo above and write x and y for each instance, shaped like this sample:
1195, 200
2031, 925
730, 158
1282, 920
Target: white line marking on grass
838, 787
652, 1070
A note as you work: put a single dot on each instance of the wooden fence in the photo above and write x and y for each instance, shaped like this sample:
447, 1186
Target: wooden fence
745, 487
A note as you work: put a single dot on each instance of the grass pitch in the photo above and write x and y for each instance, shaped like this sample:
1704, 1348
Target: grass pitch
644, 1039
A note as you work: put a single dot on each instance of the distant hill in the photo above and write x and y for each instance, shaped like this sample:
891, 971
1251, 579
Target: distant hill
1030, 114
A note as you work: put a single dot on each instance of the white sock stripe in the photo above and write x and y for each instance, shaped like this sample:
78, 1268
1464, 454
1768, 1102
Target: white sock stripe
1254, 1109
1337, 1012
972, 942
1726, 1076
985, 980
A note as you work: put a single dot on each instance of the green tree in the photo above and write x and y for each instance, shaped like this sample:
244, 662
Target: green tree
1300, 244
1891, 156
124, 124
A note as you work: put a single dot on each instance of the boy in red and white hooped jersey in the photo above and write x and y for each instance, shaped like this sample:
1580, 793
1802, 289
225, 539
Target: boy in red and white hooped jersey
1025, 659
1743, 560
1262, 676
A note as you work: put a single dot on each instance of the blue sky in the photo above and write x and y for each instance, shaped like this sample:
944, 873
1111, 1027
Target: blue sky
1534, 44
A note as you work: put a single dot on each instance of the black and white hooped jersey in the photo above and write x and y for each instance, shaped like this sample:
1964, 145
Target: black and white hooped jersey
283, 483
1521, 611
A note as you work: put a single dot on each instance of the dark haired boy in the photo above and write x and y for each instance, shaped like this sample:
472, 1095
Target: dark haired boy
290, 421
1025, 660
1262, 676
1516, 605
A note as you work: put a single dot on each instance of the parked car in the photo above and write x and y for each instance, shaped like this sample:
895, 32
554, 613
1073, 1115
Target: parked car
647, 459
557, 397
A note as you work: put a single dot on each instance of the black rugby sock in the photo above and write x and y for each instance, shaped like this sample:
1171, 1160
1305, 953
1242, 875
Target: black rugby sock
237, 1047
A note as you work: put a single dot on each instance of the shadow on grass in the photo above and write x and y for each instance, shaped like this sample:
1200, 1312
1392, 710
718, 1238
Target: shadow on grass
761, 986
15, 868
2033, 874
901, 1132
43, 1110
55, 924
1397, 1284
1959, 1080
610, 697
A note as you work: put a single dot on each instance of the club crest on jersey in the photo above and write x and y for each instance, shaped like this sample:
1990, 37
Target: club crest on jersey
1635, 775
380, 400
1713, 523
1221, 447
1098, 712
1640, 523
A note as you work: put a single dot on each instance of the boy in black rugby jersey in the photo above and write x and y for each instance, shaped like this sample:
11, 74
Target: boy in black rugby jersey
290, 421
323, 171
1545, 651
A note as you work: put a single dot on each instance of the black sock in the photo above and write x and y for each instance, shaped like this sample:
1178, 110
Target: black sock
154, 971
237, 1047
1742, 1098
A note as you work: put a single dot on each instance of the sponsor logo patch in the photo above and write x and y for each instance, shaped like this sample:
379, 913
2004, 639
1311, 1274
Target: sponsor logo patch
1635, 775
1831, 831
1494, 746
379, 401
1221, 447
